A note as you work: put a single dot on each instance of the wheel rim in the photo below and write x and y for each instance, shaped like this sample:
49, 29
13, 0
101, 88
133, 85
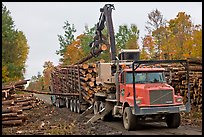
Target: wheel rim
125, 119
67, 102
71, 108
74, 105
78, 106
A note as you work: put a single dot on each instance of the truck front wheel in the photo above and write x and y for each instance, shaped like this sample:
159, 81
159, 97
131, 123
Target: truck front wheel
129, 120
173, 120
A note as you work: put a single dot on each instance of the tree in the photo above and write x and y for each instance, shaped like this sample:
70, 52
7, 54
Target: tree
197, 42
155, 21
65, 39
181, 29
48, 67
74, 51
127, 37
14, 49
148, 47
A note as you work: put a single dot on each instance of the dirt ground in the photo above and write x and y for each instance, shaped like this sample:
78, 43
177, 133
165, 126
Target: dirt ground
46, 119
50, 120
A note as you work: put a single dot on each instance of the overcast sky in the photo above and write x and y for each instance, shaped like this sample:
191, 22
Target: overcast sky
41, 22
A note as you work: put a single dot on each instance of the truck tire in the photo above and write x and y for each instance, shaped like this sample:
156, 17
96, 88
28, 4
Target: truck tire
78, 107
129, 120
74, 106
67, 103
96, 107
173, 120
107, 117
71, 105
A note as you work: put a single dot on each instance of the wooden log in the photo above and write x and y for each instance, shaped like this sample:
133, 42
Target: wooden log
9, 115
89, 70
25, 103
18, 117
84, 78
93, 79
94, 69
8, 102
15, 108
12, 122
88, 76
24, 99
27, 107
15, 84
195, 68
21, 95
181, 73
103, 47
49, 93
85, 66
83, 72
91, 84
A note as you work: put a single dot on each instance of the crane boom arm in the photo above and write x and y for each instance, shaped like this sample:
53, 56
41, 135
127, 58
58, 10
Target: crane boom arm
105, 19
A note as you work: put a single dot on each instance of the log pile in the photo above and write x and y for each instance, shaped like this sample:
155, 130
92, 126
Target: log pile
176, 76
14, 107
77, 79
9, 88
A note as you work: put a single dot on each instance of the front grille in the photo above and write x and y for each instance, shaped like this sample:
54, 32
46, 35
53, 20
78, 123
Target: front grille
161, 97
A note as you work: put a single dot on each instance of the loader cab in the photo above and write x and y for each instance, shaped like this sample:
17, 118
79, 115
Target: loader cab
129, 54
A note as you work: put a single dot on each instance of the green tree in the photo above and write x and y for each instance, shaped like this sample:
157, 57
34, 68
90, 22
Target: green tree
127, 37
66, 39
14, 49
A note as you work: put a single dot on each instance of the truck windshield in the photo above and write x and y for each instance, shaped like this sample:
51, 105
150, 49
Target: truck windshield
145, 77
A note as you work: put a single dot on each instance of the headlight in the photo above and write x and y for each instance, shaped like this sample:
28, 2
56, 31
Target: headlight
179, 100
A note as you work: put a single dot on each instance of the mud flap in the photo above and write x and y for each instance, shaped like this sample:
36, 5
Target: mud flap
108, 107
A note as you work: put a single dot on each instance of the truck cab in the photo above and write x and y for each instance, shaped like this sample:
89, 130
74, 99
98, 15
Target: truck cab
146, 96
151, 88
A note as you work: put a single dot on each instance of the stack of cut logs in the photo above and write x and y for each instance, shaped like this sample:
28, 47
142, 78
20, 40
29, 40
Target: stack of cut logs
13, 107
14, 104
77, 78
176, 76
